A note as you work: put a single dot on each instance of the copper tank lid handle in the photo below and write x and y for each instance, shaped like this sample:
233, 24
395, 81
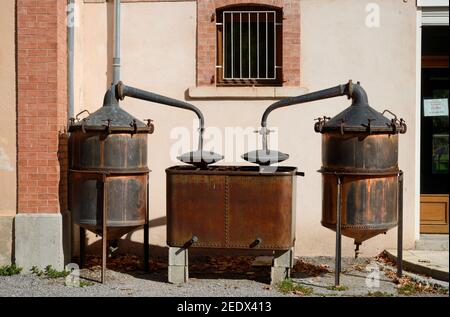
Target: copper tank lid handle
77, 117
396, 124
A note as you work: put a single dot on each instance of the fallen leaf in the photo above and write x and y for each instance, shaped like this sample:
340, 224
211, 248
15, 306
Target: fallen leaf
310, 269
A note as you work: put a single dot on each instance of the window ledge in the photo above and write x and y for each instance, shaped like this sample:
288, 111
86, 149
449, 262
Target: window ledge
249, 93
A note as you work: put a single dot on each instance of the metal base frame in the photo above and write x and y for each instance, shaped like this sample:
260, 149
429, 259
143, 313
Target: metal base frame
178, 270
338, 254
104, 233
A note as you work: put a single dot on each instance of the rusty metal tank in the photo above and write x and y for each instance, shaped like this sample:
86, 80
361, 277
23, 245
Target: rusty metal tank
360, 151
108, 169
231, 207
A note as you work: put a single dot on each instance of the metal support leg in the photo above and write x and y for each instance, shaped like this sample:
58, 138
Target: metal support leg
337, 270
82, 247
400, 227
178, 265
282, 264
104, 230
146, 233
146, 247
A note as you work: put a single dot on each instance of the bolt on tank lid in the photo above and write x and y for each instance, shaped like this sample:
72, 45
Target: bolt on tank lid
110, 118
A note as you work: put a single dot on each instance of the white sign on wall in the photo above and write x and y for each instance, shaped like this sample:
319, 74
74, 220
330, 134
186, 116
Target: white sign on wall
435, 107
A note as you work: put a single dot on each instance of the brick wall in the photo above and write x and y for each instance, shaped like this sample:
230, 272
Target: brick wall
206, 43
41, 106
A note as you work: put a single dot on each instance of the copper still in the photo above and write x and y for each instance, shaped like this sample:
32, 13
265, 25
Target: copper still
108, 155
109, 173
360, 146
362, 183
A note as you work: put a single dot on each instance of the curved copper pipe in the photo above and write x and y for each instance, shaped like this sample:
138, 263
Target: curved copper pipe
123, 91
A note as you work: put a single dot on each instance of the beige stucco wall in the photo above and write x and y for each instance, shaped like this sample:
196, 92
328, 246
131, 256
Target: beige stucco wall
158, 54
337, 46
7, 109
7, 128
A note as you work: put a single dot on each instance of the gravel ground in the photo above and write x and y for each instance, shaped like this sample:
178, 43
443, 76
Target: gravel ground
226, 277
367, 277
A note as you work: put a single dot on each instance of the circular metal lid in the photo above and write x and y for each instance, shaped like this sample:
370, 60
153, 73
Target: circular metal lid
265, 157
361, 118
110, 118
200, 158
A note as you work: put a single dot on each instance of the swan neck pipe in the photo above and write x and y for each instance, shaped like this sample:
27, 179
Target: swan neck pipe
353, 91
123, 91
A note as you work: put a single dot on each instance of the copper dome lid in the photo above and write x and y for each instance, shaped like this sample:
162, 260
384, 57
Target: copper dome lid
361, 118
110, 118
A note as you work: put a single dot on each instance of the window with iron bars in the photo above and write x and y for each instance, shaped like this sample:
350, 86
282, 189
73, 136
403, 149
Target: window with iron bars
249, 47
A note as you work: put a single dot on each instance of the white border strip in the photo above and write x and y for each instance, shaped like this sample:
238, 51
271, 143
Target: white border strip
432, 3
418, 122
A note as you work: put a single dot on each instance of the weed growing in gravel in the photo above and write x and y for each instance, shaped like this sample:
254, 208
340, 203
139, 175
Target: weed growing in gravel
49, 272
36, 271
10, 270
339, 288
289, 286
86, 283
411, 288
407, 289
379, 294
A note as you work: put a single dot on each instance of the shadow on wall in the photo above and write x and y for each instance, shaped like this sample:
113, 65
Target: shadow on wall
127, 246
63, 193
63, 160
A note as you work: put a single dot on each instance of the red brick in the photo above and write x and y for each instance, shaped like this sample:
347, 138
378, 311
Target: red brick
42, 105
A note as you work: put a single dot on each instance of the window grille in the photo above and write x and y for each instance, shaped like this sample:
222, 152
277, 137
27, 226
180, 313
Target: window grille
249, 47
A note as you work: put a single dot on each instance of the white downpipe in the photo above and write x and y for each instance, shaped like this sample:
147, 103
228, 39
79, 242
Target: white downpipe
70, 58
116, 59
